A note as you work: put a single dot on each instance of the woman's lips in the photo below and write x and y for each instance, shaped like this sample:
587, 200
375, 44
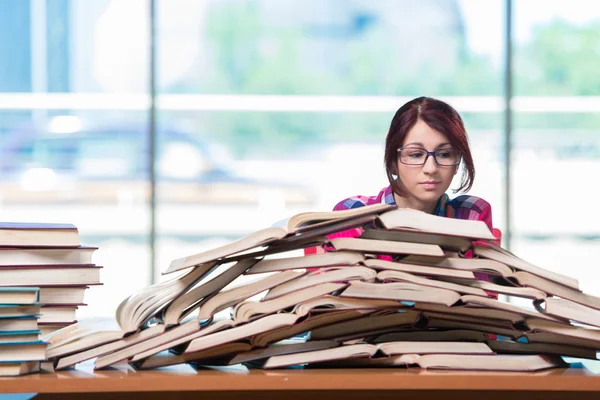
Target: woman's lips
429, 185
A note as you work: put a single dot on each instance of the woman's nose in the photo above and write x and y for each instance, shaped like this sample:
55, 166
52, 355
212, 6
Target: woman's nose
430, 164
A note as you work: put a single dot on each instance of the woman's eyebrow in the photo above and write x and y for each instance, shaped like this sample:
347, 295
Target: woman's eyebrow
414, 143
423, 146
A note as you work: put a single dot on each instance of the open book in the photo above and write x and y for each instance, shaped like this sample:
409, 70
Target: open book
413, 220
504, 257
329, 259
139, 308
455, 243
401, 291
185, 302
369, 350
329, 275
307, 224
385, 247
517, 363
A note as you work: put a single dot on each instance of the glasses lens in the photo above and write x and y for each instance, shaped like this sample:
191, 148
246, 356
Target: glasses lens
412, 156
447, 157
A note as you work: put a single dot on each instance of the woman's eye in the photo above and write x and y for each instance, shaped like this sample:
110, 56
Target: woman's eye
416, 154
446, 154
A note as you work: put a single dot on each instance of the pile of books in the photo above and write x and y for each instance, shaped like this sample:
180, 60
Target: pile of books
412, 290
44, 272
21, 349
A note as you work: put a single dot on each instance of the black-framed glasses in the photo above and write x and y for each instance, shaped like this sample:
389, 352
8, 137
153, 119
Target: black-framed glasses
419, 156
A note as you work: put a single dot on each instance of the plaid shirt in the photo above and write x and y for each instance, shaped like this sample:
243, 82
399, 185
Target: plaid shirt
462, 207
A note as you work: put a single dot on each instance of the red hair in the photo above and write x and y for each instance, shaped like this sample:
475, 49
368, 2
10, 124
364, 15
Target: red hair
439, 116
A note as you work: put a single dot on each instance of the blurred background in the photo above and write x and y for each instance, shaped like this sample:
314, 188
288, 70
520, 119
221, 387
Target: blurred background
260, 109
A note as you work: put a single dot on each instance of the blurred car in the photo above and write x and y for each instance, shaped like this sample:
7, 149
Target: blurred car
65, 162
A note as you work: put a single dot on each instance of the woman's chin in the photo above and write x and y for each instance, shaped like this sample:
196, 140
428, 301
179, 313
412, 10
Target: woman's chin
430, 196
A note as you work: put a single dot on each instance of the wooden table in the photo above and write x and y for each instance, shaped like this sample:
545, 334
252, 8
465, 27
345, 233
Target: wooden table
184, 382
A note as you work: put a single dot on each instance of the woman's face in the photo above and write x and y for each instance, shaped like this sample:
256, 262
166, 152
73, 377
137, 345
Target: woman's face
428, 182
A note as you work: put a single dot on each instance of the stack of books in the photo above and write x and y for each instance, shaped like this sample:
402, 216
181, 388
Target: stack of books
412, 290
51, 258
21, 349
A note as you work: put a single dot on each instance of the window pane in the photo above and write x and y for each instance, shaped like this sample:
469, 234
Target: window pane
557, 137
73, 134
339, 71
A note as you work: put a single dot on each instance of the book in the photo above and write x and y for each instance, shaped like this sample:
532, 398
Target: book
149, 343
264, 324
587, 337
54, 314
509, 363
23, 351
414, 220
477, 301
512, 347
19, 295
46, 255
304, 325
176, 339
136, 310
249, 310
332, 303
233, 296
378, 264
175, 311
281, 348
291, 229
213, 356
19, 336
385, 247
521, 265
455, 243
462, 318
93, 331
564, 309
556, 289
374, 321
513, 317
433, 322
69, 356
55, 295
329, 259
518, 363
24, 234
401, 291
398, 276
322, 276
480, 265
19, 368
369, 350
28, 323
15, 311
455, 335
307, 220
560, 339
524, 292
50, 275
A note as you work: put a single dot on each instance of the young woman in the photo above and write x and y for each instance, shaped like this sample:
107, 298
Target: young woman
425, 147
